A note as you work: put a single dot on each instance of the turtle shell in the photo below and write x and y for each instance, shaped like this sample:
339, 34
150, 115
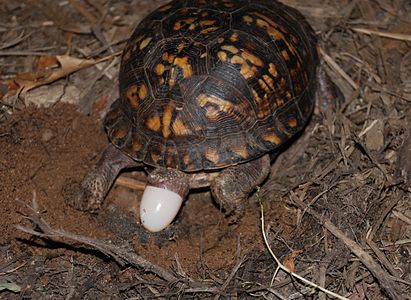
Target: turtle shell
208, 84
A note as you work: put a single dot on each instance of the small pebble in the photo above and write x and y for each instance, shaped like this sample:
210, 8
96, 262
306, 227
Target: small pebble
47, 135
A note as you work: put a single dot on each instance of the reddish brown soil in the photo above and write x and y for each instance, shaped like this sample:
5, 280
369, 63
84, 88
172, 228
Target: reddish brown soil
40, 150
43, 150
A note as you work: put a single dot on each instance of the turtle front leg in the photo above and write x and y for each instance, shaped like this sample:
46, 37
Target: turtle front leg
233, 185
95, 186
162, 198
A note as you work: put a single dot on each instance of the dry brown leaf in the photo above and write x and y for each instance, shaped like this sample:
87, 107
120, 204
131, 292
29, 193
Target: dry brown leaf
83, 10
25, 82
289, 260
46, 62
100, 104
68, 39
374, 137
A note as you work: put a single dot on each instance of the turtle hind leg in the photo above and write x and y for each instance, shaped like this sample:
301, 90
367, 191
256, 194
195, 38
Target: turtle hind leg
328, 95
233, 185
90, 193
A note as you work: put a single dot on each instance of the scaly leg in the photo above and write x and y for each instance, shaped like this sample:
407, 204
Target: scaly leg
95, 186
328, 95
233, 185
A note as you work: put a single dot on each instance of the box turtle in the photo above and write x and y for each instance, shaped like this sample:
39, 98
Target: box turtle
208, 91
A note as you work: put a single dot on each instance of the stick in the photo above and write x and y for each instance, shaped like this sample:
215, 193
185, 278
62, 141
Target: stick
385, 280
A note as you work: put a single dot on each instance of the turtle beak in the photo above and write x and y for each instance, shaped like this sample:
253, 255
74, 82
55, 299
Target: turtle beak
158, 208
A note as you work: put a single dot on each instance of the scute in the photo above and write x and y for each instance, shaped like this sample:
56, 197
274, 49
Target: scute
208, 84
201, 25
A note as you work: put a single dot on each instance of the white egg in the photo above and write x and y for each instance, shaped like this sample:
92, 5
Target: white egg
158, 208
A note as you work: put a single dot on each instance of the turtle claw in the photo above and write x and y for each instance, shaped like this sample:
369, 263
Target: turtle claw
90, 193
71, 195
85, 196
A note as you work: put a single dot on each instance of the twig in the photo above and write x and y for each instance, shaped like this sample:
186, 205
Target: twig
370, 156
278, 284
122, 254
385, 262
231, 276
385, 280
391, 35
85, 104
331, 62
13, 270
22, 53
15, 41
401, 216
282, 267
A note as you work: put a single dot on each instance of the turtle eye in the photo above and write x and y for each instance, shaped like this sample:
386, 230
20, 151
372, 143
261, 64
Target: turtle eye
158, 208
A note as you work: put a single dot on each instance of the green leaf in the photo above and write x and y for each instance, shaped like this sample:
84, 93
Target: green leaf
10, 286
